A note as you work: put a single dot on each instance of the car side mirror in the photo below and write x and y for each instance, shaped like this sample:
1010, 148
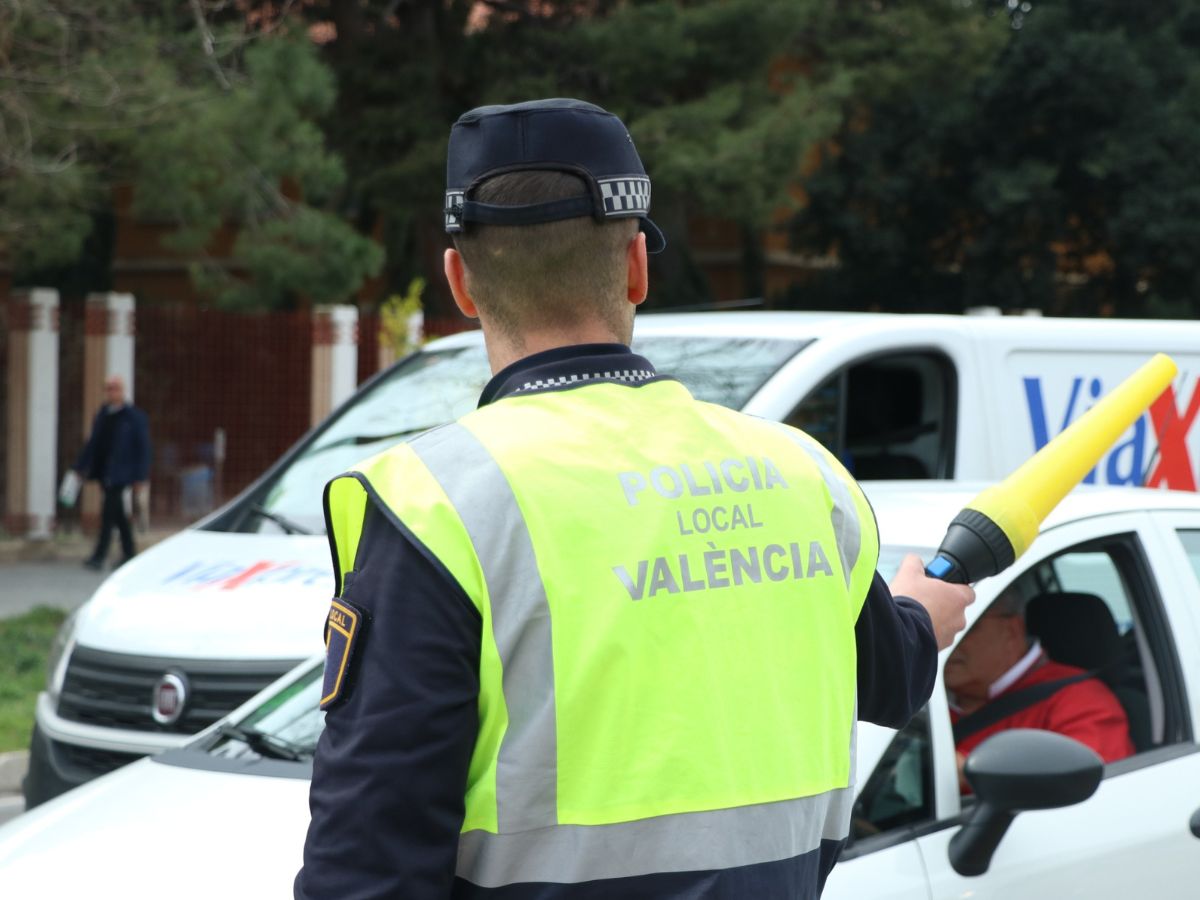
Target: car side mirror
1014, 771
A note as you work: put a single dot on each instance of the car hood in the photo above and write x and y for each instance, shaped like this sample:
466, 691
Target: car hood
151, 830
245, 595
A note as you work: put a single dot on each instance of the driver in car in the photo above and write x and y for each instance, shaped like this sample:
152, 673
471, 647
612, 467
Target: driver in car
998, 677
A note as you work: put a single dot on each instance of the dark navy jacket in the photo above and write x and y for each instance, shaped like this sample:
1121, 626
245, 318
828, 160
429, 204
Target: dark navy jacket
389, 778
126, 459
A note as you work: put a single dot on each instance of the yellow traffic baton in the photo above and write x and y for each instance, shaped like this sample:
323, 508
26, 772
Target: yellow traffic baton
995, 528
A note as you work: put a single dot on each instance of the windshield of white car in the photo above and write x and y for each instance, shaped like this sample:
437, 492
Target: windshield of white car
285, 726
258, 742
435, 387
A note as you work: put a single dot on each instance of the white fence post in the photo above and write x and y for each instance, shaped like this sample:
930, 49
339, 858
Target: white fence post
334, 357
32, 427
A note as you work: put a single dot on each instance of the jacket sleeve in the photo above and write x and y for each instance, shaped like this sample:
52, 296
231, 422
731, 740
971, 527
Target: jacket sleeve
390, 772
83, 463
897, 657
141, 441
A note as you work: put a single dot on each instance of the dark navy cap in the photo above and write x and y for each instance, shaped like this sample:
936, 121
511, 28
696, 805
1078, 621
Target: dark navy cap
557, 135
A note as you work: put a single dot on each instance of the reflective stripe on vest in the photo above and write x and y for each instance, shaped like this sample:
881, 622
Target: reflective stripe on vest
527, 764
684, 842
625, 793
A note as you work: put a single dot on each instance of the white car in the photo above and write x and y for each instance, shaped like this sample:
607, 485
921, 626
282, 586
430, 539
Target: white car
228, 813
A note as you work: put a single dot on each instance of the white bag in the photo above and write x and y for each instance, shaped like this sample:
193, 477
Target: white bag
68, 490
137, 507
141, 512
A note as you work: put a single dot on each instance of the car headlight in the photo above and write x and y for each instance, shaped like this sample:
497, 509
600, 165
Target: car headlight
60, 653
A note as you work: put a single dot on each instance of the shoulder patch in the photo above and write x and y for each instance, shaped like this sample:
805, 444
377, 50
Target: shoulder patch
343, 631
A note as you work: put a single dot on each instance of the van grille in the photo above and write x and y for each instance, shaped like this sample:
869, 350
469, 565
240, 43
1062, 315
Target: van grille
116, 690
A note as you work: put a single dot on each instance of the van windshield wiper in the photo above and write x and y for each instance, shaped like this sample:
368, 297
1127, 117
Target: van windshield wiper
358, 440
262, 743
282, 521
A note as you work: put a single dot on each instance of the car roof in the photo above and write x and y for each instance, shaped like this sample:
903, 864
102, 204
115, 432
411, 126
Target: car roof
916, 513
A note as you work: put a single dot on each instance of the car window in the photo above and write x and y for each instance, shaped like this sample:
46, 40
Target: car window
1191, 545
889, 416
899, 792
1095, 607
1095, 572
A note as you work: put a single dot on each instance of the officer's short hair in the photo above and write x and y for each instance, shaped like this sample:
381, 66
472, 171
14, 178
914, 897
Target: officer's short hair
546, 274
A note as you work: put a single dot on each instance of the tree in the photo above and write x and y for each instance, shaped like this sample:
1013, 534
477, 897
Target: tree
885, 198
207, 123
1053, 166
721, 114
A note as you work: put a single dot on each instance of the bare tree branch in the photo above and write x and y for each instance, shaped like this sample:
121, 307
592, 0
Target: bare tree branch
207, 42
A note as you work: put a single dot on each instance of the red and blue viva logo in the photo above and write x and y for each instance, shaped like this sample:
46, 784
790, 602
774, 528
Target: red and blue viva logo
1166, 463
229, 576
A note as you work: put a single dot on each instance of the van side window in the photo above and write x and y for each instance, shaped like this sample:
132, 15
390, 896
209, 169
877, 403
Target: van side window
889, 416
1191, 546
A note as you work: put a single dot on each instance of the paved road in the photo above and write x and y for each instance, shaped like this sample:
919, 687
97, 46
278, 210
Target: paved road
62, 584
11, 806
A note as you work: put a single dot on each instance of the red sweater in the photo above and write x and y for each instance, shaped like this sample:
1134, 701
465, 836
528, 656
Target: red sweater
1086, 711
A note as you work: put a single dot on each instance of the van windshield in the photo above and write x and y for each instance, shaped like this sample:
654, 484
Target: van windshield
434, 387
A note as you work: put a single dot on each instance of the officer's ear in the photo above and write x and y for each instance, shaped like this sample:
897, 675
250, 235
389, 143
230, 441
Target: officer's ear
639, 275
456, 276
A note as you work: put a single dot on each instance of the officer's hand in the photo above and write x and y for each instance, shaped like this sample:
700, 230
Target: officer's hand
946, 603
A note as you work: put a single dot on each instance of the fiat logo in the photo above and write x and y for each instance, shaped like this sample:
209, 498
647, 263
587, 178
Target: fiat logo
170, 696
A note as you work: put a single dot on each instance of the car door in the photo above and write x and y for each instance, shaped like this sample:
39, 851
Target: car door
1132, 837
880, 859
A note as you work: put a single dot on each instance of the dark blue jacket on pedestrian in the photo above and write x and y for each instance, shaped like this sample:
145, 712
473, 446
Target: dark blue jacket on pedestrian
117, 453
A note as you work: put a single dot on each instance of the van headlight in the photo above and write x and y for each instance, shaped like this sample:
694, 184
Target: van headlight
60, 653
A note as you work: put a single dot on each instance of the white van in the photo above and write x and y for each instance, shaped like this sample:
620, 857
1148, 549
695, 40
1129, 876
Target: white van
193, 627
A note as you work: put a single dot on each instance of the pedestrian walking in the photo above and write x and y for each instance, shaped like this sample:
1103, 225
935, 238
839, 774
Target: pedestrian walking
539, 682
117, 456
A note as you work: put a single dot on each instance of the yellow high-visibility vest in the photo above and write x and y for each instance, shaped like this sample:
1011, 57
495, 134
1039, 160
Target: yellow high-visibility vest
668, 591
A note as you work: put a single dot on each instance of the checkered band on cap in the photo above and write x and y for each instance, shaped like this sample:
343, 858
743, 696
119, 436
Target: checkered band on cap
625, 196
453, 210
556, 134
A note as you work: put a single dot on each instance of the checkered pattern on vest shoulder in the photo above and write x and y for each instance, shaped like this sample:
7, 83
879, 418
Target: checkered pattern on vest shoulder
627, 376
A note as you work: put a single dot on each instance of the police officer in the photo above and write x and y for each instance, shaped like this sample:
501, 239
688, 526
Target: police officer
540, 681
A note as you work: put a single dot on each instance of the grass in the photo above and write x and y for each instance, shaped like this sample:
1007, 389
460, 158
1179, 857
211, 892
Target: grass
24, 645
